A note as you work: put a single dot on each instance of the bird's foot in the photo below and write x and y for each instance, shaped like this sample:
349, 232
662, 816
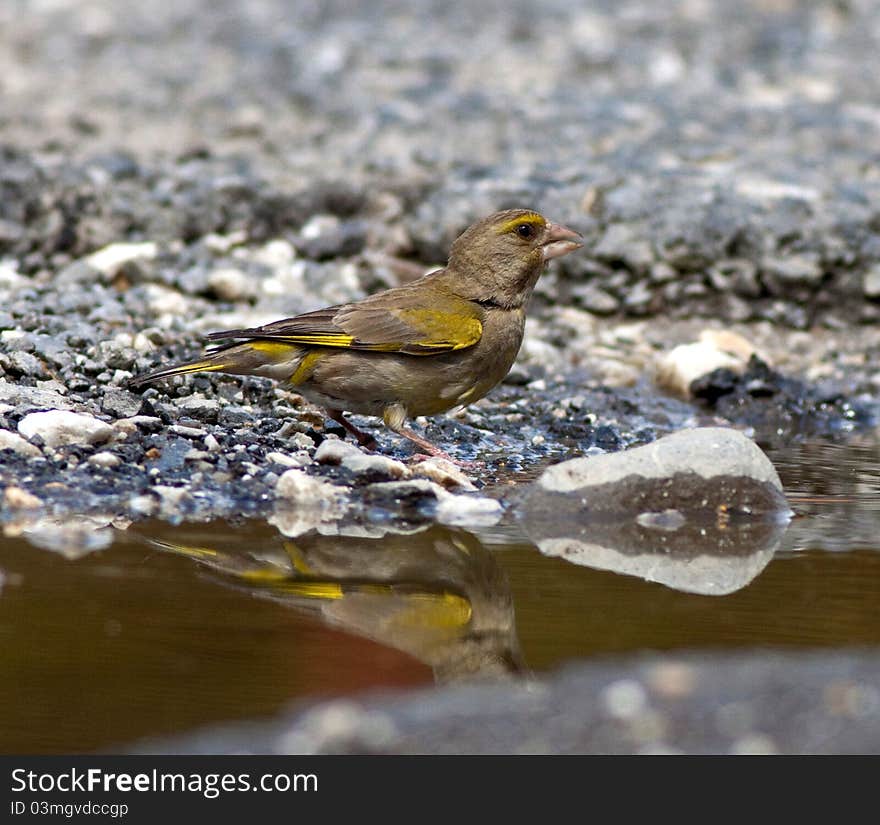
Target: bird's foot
364, 439
429, 450
367, 441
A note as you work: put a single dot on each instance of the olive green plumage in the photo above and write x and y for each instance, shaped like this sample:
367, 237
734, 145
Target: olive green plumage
442, 341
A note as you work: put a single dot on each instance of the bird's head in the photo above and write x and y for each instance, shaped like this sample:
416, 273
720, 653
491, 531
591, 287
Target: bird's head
499, 258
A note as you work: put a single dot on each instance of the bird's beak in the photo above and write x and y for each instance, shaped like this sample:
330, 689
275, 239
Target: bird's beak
560, 240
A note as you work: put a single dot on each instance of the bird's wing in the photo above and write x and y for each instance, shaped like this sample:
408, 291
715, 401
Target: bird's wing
405, 320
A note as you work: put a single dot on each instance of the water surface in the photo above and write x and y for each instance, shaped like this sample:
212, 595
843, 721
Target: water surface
174, 627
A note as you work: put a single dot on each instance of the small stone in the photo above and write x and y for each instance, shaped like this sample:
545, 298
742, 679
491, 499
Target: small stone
10, 278
737, 274
638, 298
794, 269
187, 432
688, 362
105, 459
374, 466
230, 284
325, 236
624, 699
16, 498
302, 441
444, 472
468, 511
203, 409
673, 680
596, 300
117, 355
72, 538
221, 244
166, 303
24, 363
172, 500
297, 486
288, 460
732, 343
109, 260
622, 243
143, 505
13, 441
716, 478
60, 427
121, 403
412, 492
129, 426
234, 415
871, 282
304, 503
663, 273
335, 451
276, 254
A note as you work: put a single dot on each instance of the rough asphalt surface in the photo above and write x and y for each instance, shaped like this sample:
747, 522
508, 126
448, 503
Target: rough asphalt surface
168, 173
696, 704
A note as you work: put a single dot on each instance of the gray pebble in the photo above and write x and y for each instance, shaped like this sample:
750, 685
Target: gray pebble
121, 403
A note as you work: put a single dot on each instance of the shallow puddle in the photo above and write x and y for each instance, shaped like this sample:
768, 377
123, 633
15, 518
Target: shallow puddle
170, 628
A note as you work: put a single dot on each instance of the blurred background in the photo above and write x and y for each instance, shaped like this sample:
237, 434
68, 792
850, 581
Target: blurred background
720, 157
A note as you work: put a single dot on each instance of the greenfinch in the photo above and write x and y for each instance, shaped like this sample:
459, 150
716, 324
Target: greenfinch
440, 342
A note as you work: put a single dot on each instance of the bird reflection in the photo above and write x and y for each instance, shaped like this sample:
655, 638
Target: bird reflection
435, 593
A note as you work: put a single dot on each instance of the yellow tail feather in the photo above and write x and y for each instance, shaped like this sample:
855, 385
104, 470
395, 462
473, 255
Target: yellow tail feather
180, 369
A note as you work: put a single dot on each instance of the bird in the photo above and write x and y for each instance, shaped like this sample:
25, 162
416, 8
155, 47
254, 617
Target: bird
421, 349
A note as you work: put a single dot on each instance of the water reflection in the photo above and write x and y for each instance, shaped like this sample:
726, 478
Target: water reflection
835, 491
435, 593
711, 556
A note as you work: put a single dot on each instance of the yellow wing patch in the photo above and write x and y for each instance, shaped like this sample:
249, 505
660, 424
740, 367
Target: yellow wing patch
432, 331
441, 330
438, 611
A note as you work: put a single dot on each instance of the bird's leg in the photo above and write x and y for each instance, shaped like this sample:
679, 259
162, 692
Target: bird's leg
364, 439
395, 419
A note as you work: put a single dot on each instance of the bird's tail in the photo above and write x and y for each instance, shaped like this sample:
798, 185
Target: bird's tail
264, 358
205, 365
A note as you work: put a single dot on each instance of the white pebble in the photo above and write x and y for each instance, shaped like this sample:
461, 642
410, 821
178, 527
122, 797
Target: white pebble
18, 445
105, 459
109, 260
624, 699
60, 427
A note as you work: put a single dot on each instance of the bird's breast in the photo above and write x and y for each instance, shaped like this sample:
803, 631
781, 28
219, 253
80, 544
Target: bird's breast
484, 366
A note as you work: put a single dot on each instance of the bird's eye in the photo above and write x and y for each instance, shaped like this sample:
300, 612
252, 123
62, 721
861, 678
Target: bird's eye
525, 231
